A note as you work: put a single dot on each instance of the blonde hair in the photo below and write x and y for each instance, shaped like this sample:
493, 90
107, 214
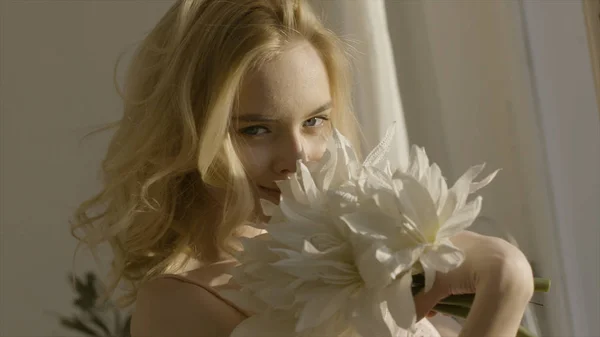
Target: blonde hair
172, 145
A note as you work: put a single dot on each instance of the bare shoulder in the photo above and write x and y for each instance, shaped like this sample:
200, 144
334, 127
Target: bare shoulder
170, 307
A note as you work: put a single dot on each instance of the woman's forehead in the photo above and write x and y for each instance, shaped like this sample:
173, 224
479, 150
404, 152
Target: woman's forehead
292, 85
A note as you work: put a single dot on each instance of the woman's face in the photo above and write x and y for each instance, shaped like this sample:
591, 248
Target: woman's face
283, 114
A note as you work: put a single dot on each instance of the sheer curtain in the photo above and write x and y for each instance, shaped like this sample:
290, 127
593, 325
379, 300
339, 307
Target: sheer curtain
363, 24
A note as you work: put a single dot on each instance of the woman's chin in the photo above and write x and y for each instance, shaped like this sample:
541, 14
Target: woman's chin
270, 195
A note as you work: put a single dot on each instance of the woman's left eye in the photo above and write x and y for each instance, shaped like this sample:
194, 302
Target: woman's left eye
315, 121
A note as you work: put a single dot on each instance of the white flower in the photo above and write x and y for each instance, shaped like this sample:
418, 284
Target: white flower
409, 217
340, 247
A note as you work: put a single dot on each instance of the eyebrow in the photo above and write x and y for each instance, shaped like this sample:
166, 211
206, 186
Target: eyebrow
270, 118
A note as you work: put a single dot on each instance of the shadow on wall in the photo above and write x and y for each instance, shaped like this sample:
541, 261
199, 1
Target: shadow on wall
91, 318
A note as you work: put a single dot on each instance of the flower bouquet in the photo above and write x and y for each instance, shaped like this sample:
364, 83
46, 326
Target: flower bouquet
350, 243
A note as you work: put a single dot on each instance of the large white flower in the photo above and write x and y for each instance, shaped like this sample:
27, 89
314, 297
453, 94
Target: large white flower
409, 217
340, 247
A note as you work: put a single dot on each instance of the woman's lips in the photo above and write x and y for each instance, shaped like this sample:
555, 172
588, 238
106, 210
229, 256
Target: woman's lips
271, 192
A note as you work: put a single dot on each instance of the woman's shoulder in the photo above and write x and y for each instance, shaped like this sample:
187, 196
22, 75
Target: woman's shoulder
184, 305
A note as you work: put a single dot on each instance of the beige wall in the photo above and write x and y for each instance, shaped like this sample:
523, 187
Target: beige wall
56, 84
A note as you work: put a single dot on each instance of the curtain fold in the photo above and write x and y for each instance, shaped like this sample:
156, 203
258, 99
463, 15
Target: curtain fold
363, 23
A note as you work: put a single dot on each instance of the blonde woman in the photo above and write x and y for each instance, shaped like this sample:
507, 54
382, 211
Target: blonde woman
221, 99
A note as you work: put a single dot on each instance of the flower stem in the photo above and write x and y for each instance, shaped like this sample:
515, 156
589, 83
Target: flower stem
466, 300
463, 312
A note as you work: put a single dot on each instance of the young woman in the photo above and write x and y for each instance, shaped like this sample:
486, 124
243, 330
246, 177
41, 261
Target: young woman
220, 101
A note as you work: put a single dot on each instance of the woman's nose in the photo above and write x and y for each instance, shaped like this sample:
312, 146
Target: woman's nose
289, 150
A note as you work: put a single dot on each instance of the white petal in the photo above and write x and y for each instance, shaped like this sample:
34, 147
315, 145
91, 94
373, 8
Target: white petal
311, 270
418, 162
300, 214
369, 317
291, 189
379, 266
441, 201
341, 200
374, 273
413, 167
268, 207
381, 150
462, 186
416, 204
373, 225
321, 308
346, 157
443, 257
323, 169
434, 177
447, 209
429, 271
400, 301
423, 161
372, 180
478, 185
310, 189
461, 219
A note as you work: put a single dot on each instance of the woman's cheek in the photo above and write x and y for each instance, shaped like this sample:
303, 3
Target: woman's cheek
316, 147
256, 159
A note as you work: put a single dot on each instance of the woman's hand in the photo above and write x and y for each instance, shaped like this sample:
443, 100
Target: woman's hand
500, 276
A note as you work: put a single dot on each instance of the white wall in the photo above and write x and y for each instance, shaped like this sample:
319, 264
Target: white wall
56, 84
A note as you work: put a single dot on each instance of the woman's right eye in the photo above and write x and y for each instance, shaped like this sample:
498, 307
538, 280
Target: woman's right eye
254, 130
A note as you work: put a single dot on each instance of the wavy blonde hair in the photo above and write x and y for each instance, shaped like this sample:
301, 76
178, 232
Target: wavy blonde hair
172, 146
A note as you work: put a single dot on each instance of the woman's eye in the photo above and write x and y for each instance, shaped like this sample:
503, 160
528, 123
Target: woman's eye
254, 130
315, 121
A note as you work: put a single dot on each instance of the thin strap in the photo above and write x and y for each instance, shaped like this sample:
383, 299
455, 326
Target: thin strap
205, 287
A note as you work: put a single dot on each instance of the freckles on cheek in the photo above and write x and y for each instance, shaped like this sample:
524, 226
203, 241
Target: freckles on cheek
256, 160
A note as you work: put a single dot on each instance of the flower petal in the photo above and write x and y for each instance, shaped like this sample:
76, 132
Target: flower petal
310, 189
369, 317
417, 205
434, 176
379, 266
443, 258
400, 301
373, 225
429, 271
381, 150
320, 308
461, 219
484, 182
462, 186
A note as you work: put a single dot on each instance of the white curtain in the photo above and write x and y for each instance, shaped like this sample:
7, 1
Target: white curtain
377, 100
